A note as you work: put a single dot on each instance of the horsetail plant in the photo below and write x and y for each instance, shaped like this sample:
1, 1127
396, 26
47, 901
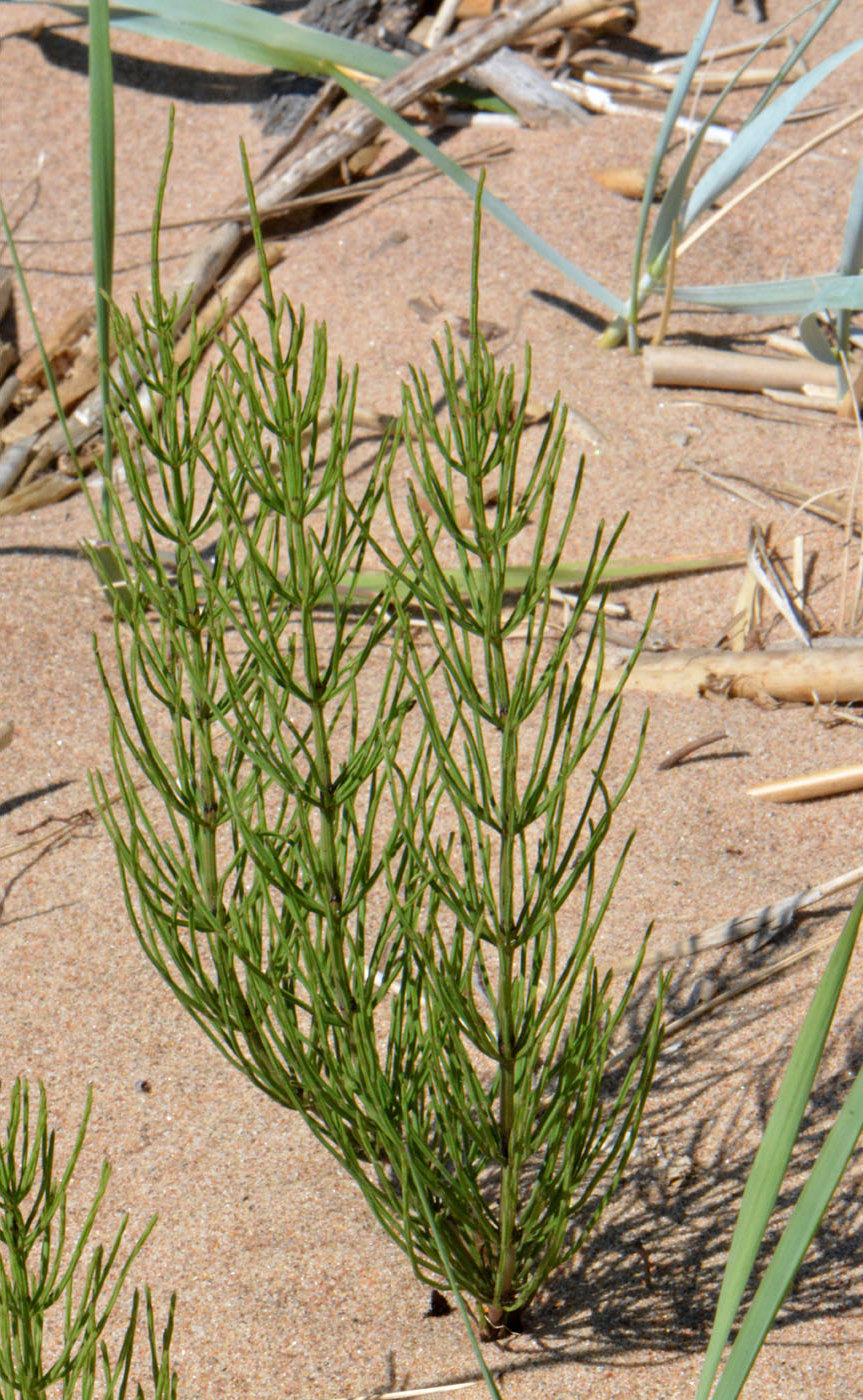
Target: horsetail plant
362, 878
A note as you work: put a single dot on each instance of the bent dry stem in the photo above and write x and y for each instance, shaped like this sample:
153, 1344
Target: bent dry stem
369, 881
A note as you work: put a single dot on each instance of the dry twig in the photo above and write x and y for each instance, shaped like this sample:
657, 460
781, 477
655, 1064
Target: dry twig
802, 675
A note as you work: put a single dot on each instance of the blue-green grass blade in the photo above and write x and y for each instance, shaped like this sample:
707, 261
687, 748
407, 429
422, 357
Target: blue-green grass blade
852, 250
496, 207
752, 138
796, 1239
797, 296
673, 200
241, 31
771, 1161
627, 321
797, 49
102, 200
815, 340
272, 42
672, 206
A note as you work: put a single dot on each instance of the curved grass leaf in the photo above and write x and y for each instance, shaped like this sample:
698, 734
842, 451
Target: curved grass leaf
752, 138
495, 206
797, 296
815, 340
241, 31
771, 1161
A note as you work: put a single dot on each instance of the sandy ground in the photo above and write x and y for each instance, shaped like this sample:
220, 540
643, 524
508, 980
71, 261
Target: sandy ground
286, 1286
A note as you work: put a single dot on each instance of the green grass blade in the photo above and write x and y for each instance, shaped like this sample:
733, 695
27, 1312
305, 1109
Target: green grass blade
619, 572
796, 1239
102, 198
752, 138
771, 1161
797, 296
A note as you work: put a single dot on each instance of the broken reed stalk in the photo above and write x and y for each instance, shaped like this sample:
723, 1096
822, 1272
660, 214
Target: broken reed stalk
826, 783
803, 675
631, 81
686, 750
692, 367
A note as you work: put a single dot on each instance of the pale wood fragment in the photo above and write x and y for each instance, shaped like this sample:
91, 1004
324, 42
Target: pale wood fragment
8, 358
12, 463
797, 674
629, 181
76, 385
527, 90
60, 345
571, 12
442, 22
45, 491
694, 367
802, 399
827, 783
